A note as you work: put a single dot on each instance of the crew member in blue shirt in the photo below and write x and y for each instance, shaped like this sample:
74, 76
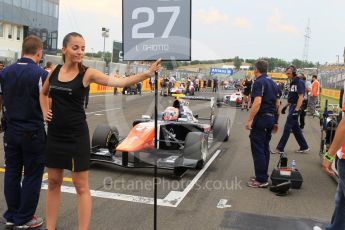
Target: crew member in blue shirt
295, 100
262, 121
24, 135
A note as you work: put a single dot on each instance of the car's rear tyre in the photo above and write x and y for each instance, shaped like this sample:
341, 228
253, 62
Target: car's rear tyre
219, 100
221, 129
196, 147
105, 136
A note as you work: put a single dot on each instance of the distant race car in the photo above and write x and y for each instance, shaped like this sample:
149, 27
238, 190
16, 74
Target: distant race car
178, 90
233, 99
183, 143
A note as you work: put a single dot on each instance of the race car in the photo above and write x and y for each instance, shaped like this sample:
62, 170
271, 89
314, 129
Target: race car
181, 89
183, 139
233, 99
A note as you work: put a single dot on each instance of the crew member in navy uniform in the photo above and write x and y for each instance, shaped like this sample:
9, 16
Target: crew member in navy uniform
262, 121
295, 100
24, 137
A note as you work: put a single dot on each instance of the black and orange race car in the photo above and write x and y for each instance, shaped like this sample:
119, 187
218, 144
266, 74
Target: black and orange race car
184, 139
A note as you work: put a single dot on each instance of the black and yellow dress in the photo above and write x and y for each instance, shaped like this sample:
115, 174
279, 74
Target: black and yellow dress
68, 141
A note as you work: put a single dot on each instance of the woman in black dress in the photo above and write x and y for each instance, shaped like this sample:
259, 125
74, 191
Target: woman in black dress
68, 143
247, 89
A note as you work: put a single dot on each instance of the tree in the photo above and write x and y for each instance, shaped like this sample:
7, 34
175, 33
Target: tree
297, 63
250, 61
237, 62
195, 62
168, 65
107, 58
274, 63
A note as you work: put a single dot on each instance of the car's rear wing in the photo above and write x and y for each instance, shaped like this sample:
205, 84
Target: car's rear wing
200, 98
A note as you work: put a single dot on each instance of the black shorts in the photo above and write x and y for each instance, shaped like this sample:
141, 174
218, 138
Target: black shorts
68, 149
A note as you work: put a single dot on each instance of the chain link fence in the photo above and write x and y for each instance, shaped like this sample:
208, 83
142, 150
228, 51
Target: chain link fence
332, 78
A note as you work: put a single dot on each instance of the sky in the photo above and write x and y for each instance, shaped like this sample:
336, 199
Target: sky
228, 28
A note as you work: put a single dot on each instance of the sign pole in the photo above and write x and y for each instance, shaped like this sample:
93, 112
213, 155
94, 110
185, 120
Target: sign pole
147, 35
155, 157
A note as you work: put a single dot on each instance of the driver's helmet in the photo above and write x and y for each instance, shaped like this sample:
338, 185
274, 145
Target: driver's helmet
170, 114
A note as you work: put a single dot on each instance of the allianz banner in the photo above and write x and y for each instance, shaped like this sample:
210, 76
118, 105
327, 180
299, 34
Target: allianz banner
224, 71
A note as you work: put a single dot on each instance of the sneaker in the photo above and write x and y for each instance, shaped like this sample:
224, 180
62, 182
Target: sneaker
303, 150
9, 225
276, 151
256, 184
317, 228
33, 223
252, 178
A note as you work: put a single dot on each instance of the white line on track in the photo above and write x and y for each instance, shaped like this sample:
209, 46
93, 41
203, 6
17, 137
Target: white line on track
102, 95
111, 94
100, 111
179, 196
223, 204
173, 199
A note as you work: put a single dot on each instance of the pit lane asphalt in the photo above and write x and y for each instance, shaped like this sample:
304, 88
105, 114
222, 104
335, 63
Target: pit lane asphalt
225, 179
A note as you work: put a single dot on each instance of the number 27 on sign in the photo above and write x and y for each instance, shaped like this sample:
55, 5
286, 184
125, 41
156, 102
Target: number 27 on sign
174, 10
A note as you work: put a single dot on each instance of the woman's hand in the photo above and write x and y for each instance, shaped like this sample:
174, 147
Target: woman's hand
155, 67
48, 116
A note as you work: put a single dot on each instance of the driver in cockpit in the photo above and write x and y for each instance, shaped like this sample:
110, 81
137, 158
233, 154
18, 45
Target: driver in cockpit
171, 114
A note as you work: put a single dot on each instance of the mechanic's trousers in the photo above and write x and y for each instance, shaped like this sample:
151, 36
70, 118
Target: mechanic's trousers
312, 104
292, 124
139, 88
303, 113
260, 136
23, 149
